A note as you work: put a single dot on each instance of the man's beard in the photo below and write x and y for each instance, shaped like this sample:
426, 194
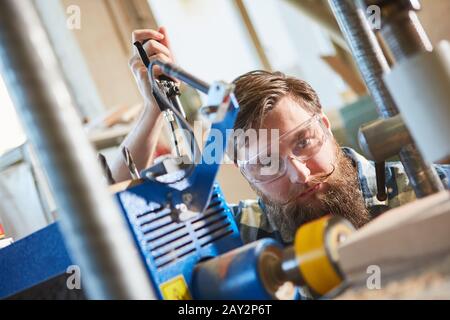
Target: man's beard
343, 198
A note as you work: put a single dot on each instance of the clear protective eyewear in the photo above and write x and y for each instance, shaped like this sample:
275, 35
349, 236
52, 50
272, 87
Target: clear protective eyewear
302, 143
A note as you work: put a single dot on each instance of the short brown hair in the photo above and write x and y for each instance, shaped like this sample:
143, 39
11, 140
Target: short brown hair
259, 91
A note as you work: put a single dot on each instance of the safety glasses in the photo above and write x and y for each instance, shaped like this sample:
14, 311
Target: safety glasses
267, 162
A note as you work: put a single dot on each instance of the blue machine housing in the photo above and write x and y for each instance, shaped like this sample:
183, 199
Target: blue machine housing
236, 275
170, 248
32, 260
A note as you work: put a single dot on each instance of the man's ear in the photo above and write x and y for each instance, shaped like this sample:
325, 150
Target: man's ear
326, 121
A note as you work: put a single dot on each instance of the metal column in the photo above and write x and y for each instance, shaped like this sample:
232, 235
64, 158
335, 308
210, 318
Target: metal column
95, 232
373, 64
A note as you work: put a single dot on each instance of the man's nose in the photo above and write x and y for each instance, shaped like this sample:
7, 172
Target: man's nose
298, 171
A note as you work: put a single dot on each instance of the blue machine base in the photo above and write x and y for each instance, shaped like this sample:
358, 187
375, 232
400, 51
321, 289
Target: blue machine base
33, 260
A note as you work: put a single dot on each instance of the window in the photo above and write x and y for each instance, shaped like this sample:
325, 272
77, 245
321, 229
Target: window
208, 38
11, 133
294, 44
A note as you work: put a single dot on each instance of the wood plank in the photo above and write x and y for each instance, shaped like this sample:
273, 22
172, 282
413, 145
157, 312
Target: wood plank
346, 73
400, 240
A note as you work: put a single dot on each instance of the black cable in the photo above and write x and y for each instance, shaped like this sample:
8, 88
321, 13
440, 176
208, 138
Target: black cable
175, 141
142, 53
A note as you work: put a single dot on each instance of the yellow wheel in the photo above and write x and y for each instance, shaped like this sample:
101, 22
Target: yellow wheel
316, 251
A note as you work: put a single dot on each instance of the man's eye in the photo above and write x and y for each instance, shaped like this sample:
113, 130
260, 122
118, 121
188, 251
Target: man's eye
265, 162
304, 143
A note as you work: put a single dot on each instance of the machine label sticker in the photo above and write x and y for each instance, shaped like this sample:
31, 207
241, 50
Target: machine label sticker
175, 289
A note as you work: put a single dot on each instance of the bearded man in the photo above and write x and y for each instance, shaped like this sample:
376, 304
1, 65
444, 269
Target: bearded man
301, 176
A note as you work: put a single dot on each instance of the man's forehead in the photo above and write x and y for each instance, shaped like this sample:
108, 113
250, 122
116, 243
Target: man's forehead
287, 115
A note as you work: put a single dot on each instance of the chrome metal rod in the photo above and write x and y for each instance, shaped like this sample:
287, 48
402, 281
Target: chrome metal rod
174, 71
94, 231
401, 27
405, 35
373, 64
367, 52
383, 138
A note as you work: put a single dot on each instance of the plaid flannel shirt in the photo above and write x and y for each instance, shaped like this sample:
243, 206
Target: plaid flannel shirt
254, 224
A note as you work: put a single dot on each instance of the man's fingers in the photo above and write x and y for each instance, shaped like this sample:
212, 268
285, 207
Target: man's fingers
165, 41
153, 47
161, 57
136, 65
145, 34
156, 46
141, 71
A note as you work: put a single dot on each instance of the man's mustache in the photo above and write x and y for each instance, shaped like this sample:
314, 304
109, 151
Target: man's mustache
314, 181
321, 178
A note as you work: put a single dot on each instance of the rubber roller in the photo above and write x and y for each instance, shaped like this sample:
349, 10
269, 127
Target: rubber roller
313, 260
259, 269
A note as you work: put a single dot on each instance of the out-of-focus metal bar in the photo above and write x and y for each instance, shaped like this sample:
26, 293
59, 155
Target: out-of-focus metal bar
401, 28
367, 53
405, 36
384, 138
373, 64
95, 232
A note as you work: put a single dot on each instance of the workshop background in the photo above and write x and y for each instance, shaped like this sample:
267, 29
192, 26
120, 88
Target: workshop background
215, 40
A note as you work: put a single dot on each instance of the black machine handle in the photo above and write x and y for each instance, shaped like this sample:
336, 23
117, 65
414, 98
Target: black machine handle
381, 180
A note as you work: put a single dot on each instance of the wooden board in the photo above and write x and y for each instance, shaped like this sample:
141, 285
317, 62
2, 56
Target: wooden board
346, 73
400, 240
430, 282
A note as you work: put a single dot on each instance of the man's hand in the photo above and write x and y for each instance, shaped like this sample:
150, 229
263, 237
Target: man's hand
142, 140
157, 47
